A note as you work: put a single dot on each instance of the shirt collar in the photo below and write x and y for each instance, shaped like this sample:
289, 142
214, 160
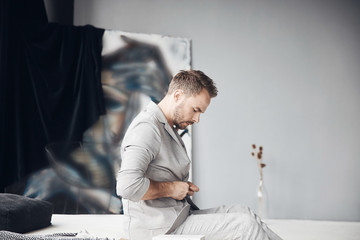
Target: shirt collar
153, 107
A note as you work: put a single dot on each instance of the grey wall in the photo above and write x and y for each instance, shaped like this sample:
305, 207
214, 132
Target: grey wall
288, 73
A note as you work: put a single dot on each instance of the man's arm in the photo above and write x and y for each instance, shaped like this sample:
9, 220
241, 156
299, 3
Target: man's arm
177, 190
137, 153
132, 183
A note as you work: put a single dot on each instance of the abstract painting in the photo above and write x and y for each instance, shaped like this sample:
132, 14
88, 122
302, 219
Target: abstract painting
136, 68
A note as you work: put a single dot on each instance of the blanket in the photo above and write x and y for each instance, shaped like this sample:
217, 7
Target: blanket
6, 235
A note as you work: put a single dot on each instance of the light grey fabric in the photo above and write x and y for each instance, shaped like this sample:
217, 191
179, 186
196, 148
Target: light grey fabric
151, 149
235, 222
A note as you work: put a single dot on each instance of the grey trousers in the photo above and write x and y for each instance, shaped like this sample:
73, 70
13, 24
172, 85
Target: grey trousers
226, 223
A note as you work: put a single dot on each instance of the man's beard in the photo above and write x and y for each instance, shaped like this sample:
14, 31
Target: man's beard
178, 119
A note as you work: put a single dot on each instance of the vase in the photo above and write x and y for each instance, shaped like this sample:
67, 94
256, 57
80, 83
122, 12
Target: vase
262, 200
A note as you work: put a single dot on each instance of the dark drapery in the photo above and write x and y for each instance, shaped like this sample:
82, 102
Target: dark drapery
50, 85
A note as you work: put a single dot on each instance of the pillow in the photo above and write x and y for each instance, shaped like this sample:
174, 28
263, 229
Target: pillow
22, 214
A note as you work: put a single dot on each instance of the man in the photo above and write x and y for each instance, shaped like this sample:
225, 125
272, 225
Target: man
153, 179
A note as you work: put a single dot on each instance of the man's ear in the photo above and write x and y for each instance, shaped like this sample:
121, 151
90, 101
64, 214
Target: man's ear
178, 95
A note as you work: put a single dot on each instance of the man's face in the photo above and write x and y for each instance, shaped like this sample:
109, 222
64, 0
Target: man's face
188, 109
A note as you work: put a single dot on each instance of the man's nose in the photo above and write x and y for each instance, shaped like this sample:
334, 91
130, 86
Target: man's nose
196, 117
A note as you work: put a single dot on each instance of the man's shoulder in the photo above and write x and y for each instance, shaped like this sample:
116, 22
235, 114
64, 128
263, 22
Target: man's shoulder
146, 116
146, 122
151, 114
145, 129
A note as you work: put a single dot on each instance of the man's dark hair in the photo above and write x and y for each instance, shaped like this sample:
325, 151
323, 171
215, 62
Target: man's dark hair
192, 82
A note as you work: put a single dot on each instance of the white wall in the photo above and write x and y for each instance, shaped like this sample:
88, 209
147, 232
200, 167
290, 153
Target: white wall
288, 74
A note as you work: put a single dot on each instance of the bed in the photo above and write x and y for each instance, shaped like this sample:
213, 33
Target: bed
113, 227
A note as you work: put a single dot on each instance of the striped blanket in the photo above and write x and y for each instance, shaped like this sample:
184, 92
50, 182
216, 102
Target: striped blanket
6, 235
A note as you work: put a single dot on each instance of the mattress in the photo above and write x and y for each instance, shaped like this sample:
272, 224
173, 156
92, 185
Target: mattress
113, 227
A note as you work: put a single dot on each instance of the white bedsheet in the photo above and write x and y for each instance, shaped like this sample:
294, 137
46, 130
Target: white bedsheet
315, 230
113, 227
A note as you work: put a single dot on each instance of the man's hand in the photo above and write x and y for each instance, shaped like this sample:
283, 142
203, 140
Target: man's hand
179, 190
176, 190
192, 188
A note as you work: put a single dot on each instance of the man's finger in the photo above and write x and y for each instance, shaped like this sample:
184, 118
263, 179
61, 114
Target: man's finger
194, 188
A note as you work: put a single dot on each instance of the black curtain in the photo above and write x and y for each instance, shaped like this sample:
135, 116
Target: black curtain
50, 85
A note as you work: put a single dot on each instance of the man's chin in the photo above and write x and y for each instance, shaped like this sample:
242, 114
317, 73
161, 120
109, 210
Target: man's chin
182, 126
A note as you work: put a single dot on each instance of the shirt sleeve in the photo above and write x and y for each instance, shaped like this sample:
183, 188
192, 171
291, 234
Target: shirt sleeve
140, 146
